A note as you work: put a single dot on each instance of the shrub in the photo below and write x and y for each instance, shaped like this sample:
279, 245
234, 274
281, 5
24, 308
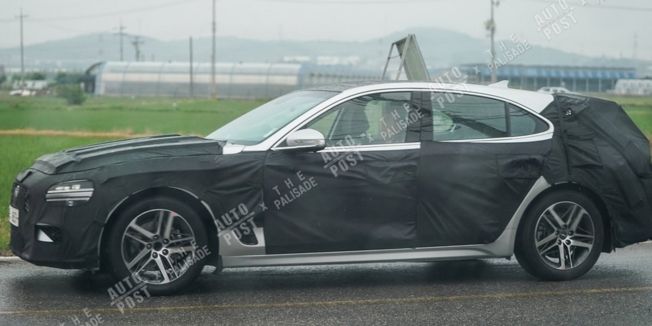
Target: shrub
73, 94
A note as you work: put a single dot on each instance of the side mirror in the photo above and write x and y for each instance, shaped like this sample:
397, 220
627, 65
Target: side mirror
306, 139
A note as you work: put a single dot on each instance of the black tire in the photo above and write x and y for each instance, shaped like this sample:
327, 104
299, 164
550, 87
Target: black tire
190, 221
535, 225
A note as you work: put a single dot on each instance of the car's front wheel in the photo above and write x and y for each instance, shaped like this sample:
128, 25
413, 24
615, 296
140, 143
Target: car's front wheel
561, 236
159, 243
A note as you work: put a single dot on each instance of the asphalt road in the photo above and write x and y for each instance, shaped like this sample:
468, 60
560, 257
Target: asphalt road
618, 291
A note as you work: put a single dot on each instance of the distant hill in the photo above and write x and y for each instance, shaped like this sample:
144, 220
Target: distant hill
441, 48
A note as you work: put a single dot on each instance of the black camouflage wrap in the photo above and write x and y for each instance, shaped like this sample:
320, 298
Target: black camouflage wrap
119, 170
597, 146
441, 194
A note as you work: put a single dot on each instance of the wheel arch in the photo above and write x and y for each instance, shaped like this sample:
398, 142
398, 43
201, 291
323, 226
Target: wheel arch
180, 194
595, 198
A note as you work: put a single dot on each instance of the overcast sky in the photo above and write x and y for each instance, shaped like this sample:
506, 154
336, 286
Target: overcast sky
596, 28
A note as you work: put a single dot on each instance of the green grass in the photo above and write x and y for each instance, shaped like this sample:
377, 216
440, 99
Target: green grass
139, 116
642, 116
121, 114
18, 153
97, 114
630, 101
639, 109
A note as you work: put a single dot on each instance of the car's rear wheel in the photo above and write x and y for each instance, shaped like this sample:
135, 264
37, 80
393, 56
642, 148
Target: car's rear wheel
561, 236
160, 242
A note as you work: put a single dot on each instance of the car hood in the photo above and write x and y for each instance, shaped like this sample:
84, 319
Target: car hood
115, 152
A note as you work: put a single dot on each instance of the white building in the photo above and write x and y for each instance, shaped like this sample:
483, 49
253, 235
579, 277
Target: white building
633, 87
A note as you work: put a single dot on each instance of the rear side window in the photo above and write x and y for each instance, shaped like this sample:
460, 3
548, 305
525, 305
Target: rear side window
524, 123
467, 117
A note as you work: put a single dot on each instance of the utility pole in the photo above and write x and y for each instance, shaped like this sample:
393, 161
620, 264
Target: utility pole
213, 27
192, 79
635, 50
100, 52
491, 27
21, 17
121, 33
137, 42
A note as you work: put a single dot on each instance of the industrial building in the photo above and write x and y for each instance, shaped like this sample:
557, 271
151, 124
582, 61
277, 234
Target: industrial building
269, 80
233, 80
533, 77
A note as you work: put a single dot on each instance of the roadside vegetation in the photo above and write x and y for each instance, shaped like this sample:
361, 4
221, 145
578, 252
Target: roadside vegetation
33, 126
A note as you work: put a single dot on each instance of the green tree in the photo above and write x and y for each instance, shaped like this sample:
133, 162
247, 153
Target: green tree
69, 78
37, 75
73, 93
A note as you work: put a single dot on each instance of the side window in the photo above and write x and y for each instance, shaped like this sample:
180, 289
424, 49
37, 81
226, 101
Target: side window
371, 119
524, 123
467, 117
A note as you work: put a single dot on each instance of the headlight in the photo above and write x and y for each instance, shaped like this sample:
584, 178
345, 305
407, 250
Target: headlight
70, 192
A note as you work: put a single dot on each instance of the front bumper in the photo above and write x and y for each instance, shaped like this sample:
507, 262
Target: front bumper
44, 254
53, 234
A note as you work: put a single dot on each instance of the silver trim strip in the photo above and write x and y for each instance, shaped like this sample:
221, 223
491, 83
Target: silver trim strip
370, 148
290, 148
410, 254
346, 95
360, 148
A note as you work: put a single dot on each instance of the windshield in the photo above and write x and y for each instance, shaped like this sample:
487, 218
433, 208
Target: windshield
258, 124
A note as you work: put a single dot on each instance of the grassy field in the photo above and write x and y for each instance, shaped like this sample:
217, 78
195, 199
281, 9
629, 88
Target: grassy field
17, 153
120, 114
128, 116
124, 115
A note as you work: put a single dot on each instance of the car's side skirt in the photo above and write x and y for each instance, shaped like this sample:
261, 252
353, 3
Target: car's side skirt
368, 256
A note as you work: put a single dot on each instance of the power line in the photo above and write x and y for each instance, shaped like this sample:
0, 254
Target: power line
584, 4
348, 2
61, 28
587, 4
109, 13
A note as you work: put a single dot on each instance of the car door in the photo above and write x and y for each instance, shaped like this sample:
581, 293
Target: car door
479, 158
359, 192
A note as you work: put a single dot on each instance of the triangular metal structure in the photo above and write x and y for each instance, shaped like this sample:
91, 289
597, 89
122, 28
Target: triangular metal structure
411, 59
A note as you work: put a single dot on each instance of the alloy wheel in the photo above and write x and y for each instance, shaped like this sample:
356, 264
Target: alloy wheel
158, 246
564, 235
